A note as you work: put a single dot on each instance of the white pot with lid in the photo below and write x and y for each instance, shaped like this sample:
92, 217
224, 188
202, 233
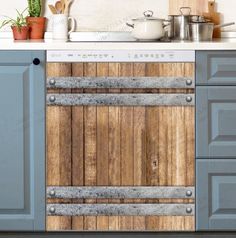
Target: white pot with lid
147, 27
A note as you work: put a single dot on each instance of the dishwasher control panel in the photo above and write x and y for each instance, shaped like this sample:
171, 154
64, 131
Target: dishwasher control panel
120, 56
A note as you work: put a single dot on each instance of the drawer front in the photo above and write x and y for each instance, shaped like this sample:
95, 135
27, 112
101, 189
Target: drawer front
216, 68
215, 194
215, 122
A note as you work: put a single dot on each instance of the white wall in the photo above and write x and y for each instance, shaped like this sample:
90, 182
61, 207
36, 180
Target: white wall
108, 15
228, 8
99, 15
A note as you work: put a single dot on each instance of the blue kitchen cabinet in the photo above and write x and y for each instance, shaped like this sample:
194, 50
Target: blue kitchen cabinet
216, 67
216, 122
216, 140
22, 140
215, 194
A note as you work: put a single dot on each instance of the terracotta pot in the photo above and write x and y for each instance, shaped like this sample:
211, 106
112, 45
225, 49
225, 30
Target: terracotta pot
36, 27
21, 33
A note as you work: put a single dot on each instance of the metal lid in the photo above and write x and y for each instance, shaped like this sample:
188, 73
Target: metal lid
200, 19
148, 15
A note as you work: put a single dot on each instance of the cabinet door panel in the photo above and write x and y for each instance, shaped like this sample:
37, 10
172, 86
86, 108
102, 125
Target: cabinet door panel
216, 68
216, 192
121, 146
22, 142
215, 122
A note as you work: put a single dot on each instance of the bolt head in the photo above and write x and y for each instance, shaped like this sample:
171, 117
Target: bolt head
189, 210
189, 99
189, 193
52, 81
52, 209
52, 99
189, 82
52, 193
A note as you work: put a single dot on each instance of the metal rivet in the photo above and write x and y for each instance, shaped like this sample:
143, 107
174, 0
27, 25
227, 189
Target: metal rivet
52, 193
189, 210
189, 99
52, 99
189, 193
189, 82
52, 209
52, 82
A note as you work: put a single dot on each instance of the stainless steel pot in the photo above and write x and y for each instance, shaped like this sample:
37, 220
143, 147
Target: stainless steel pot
179, 24
147, 27
203, 31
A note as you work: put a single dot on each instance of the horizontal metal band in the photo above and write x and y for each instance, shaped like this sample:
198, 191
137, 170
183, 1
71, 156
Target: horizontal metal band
151, 192
120, 99
120, 209
120, 82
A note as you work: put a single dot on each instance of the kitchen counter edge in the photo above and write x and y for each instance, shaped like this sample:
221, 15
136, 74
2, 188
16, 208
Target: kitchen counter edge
220, 44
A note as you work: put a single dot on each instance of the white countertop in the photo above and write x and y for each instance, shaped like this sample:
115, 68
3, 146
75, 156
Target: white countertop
217, 44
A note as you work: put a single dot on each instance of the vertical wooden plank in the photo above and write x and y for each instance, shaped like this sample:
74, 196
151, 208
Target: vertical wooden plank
90, 147
59, 146
178, 163
127, 150
152, 138
164, 159
114, 146
139, 147
102, 146
78, 145
190, 153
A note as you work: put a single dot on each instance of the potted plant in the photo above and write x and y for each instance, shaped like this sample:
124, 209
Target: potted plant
35, 21
19, 26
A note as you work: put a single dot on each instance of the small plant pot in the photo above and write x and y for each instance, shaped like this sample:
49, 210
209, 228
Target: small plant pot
20, 33
36, 27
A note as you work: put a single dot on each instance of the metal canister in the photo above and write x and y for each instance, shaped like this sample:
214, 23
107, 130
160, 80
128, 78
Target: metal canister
179, 24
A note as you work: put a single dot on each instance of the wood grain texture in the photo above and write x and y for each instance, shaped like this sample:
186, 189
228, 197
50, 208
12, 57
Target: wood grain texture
78, 145
197, 6
215, 17
102, 146
59, 145
90, 146
139, 146
115, 146
152, 140
127, 149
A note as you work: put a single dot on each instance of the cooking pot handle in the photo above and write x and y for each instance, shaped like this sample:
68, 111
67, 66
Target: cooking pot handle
166, 23
186, 8
148, 13
130, 25
224, 25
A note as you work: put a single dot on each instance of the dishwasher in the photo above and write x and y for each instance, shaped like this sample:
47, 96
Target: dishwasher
120, 140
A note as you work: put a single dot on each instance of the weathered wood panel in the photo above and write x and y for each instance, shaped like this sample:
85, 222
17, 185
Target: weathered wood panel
136, 146
78, 145
102, 146
59, 145
90, 146
139, 146
127, 149
114, 145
